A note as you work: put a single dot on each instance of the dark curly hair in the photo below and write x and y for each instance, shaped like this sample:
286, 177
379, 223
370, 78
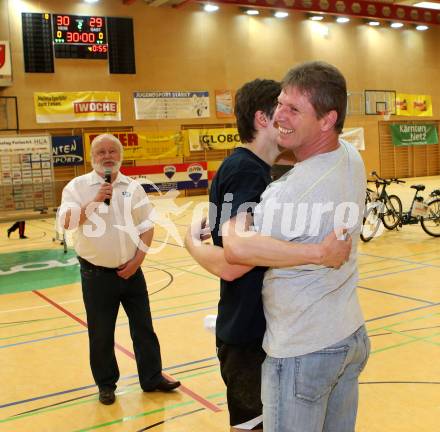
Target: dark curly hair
257, 95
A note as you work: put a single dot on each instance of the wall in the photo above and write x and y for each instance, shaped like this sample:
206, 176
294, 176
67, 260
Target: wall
188, 49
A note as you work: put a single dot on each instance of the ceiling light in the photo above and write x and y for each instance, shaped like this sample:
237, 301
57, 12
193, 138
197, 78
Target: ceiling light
422, 27
91, 1
373, 23
316, 17
342, 20
396, 25
428, 5
210, 7
280, 14
252, 12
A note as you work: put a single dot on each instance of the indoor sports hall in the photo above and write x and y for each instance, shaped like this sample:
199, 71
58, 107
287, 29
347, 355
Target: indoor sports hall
161, 76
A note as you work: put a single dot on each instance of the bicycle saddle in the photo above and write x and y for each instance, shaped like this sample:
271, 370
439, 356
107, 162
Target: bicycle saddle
418, 187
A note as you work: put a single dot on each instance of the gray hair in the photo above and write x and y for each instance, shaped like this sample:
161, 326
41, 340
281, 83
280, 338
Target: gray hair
106, 137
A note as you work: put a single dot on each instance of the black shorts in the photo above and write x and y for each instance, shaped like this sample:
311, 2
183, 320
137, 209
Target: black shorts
241, 371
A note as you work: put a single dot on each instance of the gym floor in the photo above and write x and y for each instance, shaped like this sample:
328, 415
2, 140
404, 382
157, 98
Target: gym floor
45, 375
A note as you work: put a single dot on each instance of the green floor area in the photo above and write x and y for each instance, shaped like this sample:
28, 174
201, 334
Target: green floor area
39, 269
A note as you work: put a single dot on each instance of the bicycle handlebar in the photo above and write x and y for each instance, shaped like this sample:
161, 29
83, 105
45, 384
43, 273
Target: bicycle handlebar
382, 181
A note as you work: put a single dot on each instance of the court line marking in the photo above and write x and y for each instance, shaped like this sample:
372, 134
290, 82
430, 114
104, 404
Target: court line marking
93, 385
182, 388
118, 325
395, 295
402, 312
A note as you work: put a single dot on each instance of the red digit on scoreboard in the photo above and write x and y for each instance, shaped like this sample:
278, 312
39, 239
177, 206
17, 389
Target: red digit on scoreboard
63, 20
95, 22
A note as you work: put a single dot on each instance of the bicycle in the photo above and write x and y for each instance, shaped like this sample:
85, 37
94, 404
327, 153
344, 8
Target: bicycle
427, 213
380, 207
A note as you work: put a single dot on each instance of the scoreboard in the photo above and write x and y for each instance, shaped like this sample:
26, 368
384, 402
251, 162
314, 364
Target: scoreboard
76, 36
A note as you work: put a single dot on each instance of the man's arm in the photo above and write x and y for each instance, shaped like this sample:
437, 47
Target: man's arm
130, 267
75, 217
250, 248
211, 257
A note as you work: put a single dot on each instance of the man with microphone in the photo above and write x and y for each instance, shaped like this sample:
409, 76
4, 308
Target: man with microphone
111, 216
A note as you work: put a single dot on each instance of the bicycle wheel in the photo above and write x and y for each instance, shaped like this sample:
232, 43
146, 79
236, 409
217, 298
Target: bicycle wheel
392, 212
371, 222
431, 223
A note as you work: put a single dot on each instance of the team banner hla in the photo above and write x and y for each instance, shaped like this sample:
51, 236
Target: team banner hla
413, 105
59, 107
143, 145
212, 139
413, 134
160, 178
171, 105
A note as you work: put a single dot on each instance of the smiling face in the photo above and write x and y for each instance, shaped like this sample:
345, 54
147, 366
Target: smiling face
106, 155
298, 125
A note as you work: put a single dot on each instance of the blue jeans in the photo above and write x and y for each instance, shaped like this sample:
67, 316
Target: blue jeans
316, 392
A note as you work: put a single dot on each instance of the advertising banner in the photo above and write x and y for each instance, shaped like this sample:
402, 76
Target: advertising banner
59, 107
413, 105
413, 134
155, 178
143, 145
224, 104
171, 105
5, 64
67, 150
355, 136
212, 139
26, 172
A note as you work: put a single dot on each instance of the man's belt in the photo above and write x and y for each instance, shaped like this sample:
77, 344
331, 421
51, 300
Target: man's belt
88, 265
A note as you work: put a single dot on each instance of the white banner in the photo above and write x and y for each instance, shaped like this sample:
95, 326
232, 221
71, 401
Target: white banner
355, 136
171, 105
25, 144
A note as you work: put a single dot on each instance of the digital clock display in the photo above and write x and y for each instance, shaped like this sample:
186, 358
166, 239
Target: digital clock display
77, 36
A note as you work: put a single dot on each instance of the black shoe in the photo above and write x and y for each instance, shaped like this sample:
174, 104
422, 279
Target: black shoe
164, 385
106, 396
9, 233
23, 237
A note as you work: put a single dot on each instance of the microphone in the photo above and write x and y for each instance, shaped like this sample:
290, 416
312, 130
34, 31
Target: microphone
108, 179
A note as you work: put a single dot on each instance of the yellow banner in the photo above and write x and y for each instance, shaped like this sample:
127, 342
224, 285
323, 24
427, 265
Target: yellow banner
212, 139
60, 107
413, 105
143, 145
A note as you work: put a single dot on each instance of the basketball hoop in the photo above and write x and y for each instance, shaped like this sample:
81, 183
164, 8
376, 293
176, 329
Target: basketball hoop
385, 114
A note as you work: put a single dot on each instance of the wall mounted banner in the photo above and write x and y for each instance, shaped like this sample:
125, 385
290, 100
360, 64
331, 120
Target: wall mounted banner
413, 134
224, 104
155, 178
26, 172
59, 107
355, 136
143, 145
5, 64
212, 139
413, 105
171, 105
67, 150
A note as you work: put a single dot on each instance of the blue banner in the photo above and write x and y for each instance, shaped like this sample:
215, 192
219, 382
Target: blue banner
67, 150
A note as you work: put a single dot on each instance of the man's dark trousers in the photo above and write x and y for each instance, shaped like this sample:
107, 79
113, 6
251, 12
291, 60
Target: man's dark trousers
103, 291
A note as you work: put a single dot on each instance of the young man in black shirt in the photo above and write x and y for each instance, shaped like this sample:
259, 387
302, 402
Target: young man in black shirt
241, 179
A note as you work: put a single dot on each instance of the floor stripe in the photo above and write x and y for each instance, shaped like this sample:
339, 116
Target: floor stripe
395, 295
182, 388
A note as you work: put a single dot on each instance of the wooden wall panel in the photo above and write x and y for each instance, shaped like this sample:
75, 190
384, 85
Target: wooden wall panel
407, 161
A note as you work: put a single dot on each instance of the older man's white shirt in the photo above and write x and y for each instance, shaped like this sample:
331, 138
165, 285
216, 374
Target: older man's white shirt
110, 237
